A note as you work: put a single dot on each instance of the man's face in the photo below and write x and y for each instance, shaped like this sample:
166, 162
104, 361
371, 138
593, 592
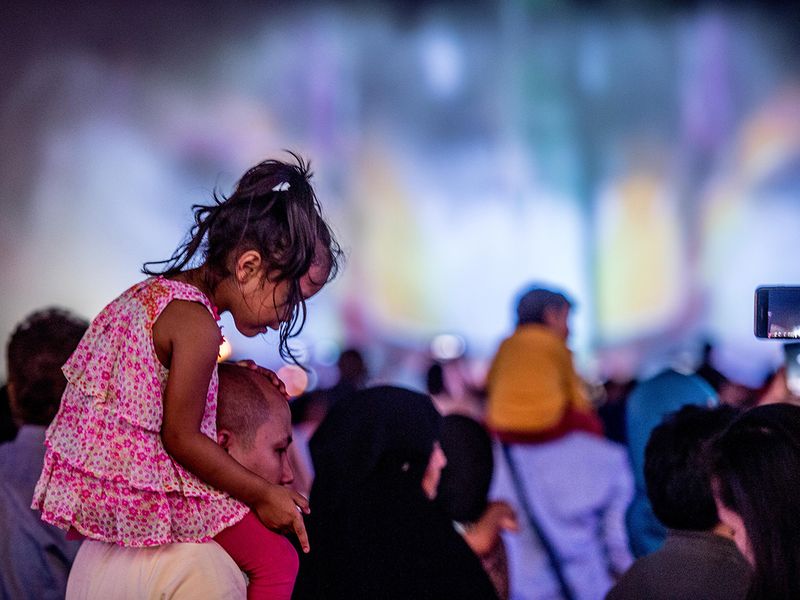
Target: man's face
433, 473
734, 522
557, 319
268, 455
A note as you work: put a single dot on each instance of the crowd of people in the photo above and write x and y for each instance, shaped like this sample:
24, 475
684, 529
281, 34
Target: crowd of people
136, 466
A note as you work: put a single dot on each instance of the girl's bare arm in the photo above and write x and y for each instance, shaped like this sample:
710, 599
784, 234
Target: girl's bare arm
187, 335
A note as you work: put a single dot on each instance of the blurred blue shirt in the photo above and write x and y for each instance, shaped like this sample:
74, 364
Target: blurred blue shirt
35, 557
578, 487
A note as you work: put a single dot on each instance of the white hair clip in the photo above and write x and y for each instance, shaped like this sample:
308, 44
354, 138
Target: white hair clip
281, 187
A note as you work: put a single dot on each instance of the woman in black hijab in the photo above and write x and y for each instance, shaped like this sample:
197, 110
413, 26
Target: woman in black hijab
375, 531
464, 495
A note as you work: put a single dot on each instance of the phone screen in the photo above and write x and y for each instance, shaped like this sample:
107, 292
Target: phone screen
777, 312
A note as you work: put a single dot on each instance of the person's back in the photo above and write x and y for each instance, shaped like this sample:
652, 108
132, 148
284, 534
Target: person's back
647, 404
179, 571
698, 558
35, 557
578, 486
690, 564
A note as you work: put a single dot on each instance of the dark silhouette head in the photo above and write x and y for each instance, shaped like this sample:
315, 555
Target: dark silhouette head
676, 468
756, 476
37, 349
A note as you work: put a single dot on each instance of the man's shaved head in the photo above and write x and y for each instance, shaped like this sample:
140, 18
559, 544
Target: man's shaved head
254, 425
246, 401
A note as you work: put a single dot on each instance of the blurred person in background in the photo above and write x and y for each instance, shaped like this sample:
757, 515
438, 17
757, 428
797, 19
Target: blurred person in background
440, 379
699, 558
310, 408
756, 484
707, 370
740, 381
464, 495
534, 392
35, 557
353, 375
570, 495
611, 408
308, 411
778, 388
375, 529
572, 541
649, 402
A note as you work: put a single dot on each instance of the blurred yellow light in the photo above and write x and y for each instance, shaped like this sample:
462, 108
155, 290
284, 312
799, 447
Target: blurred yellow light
225, 351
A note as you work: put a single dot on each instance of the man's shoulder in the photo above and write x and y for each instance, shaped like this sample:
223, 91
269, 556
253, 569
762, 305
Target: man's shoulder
6, 454
642, 580
686, 569
202, 570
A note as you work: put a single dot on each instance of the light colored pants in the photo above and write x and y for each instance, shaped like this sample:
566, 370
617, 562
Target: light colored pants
172, 571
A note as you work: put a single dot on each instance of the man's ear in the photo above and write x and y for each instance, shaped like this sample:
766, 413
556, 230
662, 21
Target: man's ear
248, 265
224, 439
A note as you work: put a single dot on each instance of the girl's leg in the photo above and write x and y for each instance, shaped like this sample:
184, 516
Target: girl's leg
269, 559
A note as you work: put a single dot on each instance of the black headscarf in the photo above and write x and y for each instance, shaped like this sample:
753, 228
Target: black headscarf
464, 487
373, 532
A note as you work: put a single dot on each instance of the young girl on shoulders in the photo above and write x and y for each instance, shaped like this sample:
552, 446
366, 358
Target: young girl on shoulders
131, 455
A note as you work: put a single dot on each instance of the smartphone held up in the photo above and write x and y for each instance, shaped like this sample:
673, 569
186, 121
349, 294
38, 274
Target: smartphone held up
777, 317
777, 312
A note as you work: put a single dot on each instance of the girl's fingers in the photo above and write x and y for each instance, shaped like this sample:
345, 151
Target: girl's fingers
278, 382
300, 531
302, 503
268, 373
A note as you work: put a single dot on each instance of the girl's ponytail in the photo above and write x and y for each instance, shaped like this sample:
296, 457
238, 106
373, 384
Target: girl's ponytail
204, 217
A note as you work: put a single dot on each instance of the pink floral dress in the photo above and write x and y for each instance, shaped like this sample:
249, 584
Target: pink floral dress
106, 473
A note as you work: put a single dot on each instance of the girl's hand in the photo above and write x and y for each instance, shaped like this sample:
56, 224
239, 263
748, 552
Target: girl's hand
282, 509
269, 374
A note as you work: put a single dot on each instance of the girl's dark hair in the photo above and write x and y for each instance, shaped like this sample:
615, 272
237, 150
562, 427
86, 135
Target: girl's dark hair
273, 210
756, 467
